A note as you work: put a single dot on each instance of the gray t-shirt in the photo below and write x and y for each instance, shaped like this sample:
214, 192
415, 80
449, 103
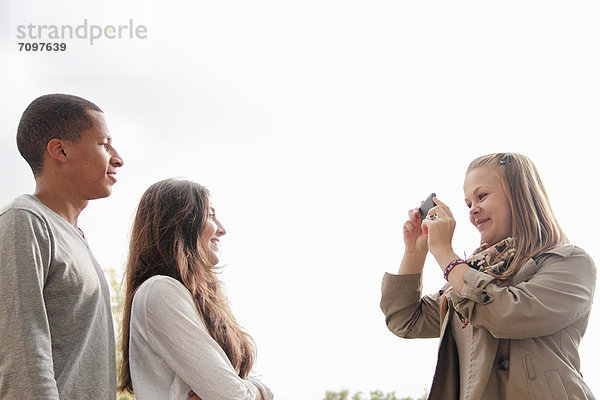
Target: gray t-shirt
56, 332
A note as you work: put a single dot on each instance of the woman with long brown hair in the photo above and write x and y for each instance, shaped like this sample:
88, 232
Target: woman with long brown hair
179, 334
512, 315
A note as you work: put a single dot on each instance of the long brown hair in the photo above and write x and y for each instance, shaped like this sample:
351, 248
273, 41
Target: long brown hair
164, 241
534, 225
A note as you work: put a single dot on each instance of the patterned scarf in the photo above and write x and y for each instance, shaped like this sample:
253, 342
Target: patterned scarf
493, 259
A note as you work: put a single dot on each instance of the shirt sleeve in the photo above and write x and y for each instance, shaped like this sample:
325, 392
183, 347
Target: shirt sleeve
178, 335
557, 294
26, 365
257, 380
407, 314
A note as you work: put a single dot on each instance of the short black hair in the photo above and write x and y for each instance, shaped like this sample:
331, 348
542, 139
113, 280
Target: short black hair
60, 116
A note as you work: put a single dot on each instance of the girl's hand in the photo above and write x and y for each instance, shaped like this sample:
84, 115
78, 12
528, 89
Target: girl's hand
415, 240
415, 245
438, 226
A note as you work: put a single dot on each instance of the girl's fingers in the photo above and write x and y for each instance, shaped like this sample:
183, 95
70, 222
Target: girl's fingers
425, 226
413, 213
440, 205
414, 217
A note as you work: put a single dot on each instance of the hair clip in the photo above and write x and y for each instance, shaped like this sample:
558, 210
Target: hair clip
506, 157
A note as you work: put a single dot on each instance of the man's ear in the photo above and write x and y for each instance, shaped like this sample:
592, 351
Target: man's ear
56, 150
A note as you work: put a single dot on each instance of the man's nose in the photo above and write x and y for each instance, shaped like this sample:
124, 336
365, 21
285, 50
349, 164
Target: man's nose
116, 160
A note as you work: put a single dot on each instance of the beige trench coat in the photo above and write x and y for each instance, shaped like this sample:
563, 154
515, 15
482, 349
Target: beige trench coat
526, 333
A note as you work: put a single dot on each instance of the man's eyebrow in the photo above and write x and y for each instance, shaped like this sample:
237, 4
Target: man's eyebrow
105, 136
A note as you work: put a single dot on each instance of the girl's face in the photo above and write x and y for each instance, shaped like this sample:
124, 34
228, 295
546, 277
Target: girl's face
209, 237
488, 204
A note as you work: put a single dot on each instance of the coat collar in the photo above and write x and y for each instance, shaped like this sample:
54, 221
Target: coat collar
530, 267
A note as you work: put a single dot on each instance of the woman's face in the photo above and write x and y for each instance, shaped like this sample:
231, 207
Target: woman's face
488, 204
210, 235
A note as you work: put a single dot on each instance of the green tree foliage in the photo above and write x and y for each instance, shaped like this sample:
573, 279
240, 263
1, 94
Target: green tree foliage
342, 395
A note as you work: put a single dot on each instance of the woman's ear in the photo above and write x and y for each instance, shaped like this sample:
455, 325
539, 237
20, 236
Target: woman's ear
56, 150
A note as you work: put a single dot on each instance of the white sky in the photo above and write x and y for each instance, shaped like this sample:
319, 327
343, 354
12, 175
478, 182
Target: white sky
316, 125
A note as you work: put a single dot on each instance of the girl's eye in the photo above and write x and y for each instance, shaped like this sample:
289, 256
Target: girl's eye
212, 216
481, 196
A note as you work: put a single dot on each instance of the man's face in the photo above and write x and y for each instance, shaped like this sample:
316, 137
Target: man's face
93, 162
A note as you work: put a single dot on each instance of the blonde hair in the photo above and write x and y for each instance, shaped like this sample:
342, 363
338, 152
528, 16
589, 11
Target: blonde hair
164, 241
535, 228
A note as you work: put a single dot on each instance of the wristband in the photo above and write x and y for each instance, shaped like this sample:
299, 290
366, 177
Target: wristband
450, 266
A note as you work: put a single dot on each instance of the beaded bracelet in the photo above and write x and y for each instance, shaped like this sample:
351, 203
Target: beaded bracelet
452, 265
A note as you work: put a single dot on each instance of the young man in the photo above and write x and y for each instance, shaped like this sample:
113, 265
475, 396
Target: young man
56, 333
